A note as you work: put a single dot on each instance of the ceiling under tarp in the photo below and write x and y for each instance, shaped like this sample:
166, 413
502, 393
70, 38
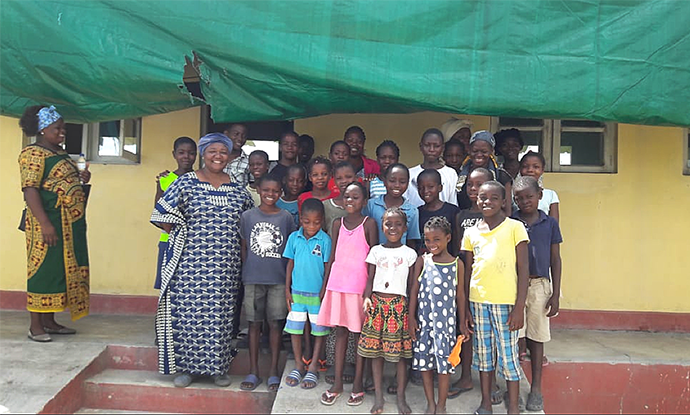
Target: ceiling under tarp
613, 60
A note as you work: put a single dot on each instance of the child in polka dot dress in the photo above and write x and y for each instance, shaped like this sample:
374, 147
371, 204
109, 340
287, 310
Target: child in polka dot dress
434, 301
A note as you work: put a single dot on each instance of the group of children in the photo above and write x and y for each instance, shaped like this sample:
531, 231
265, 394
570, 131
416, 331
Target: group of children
386, 256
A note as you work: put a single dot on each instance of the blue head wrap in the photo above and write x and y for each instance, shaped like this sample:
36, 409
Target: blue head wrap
211, 138
47, 116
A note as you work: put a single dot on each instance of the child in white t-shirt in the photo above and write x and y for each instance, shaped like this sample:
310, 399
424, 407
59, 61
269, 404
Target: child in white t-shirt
532, 164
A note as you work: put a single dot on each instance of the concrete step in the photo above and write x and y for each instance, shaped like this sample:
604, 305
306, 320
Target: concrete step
291, 400
142, 390
110, 411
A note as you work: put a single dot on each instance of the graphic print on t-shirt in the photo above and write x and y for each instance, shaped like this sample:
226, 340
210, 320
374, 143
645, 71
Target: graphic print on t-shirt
317, 250
265, 240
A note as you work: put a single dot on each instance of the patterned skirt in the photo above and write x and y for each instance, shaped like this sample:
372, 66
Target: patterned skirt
384, 333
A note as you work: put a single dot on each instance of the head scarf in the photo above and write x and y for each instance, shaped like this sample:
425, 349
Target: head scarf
47, 116
212, 138
483, 135
453, 125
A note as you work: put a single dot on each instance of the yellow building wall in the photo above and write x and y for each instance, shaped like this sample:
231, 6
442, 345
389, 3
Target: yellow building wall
122, 242
618, 254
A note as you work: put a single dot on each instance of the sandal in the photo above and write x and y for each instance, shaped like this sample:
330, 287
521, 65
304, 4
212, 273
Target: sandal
250, 382
535, 402
328, 398
273, 383
310, 380
521, 402
306, 362
497, 397
392, 389
482, 411
294, 378
369, 386
355, 399
330, 375
523, 356
544, 362
323, 365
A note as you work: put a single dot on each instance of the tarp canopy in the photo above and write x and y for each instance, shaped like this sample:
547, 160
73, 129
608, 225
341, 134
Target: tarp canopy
609, 60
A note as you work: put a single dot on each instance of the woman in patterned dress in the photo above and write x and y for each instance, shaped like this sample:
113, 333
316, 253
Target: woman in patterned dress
201, 272
57, 257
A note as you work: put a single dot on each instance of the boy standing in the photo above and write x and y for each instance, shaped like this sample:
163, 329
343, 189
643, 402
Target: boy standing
307, 250
542, 300
496, 274
289, 154
431, 146
238, 166
258, 166
264, 231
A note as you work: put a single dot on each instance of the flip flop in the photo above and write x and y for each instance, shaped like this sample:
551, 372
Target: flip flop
323, 365
328, 398
455, 392
306, 362
310, 377
497, 397
273, 383
294, 378
251, 379
61, 330
482, 411
355, 399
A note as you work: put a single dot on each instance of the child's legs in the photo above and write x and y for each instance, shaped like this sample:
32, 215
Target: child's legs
295, 325
276, 310
536, 350
313, 306
308, 351
428, 382
296, 340
443, 385
377, 376
465, 380
319, 345
341, 334
484, 346
401, 374
358, 384
537, 325
513, 396
506, 349
254, 305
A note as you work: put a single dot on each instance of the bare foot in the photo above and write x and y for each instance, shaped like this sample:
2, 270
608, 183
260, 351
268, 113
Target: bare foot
378, 407
430, 409
441, 410
403, 407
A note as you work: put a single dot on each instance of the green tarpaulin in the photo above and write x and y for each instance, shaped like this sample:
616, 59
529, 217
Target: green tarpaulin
626, 61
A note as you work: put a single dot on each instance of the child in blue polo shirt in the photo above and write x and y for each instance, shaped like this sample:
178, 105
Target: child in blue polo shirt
544, 278
307, 250
396, 179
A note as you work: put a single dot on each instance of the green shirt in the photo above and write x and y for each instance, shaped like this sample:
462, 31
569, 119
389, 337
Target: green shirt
164, 183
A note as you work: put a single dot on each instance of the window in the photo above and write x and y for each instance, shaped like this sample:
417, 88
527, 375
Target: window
567, 145
686, 152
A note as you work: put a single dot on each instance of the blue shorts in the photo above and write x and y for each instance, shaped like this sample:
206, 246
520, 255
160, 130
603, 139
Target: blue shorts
495, 346
305, 306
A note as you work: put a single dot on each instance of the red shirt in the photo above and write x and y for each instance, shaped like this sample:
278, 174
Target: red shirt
308, 195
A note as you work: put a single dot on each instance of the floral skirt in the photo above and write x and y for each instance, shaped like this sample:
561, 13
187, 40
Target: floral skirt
384, 333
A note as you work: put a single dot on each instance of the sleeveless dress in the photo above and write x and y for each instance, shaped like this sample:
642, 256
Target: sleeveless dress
436, 313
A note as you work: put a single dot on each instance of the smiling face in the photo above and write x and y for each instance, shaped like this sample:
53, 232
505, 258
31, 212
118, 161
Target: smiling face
344, 176
510, 148
258, 166
436, 240
356, 143
480, 152
396, 181
354, 199
431, 147
428, 189
320, 176
527, 199
269, 192
216, 157
531, 166
340, 152
295, 180
490, 200
386, 157
311, 222
185, 155
54, 134
238, 134
289, 146
394, 227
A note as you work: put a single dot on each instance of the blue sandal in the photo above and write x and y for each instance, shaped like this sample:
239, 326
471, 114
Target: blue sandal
310, 377
250, 382
294, 378
273, 383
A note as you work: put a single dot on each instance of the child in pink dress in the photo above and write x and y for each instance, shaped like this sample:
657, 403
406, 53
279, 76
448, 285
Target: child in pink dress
343, 289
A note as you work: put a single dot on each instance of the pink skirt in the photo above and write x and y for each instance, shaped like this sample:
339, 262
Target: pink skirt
341, 309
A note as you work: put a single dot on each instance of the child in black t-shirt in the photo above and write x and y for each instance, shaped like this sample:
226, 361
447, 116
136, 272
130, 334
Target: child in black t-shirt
429, 187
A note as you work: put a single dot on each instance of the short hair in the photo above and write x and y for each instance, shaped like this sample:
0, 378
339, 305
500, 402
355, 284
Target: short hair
339, 143
497, 185
454, 142
432, 131
430, 173
229, 126
396, 166
389, 144
533, 154
29, 120
344, 165
313, 205
183, 140
485, 172
298, 166
317, 161
307, 139
361, 187
268, 177
355, 129
503, 135
526, 182
393, 211
287, 133
438, 222
259, 153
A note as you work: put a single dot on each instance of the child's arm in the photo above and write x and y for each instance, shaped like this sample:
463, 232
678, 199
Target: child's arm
553, 211
554, 301
371, 231
460, 299
468, 322
371, 269
414, 292
508, 207
335, 231
288, 283
516, 319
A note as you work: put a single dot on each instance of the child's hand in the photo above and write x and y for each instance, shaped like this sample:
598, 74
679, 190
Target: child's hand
554, 305
288, 299
367, 305
321, 294
412, 327
162, 174
516, 318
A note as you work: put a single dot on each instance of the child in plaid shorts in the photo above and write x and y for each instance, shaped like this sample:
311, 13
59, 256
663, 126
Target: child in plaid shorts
496, 276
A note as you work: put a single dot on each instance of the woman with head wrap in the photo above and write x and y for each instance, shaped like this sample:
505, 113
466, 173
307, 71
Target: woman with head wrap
456, 129
201, 268
58, 261
481, 154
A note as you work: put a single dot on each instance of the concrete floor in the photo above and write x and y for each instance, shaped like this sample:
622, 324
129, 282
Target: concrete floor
32, 373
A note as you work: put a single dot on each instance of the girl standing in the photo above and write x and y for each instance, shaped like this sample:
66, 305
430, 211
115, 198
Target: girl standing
343, 288
319, 174
434, 302
532, 164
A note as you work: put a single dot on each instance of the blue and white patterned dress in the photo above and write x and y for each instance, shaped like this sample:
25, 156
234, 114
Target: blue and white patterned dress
200, 276
436, 314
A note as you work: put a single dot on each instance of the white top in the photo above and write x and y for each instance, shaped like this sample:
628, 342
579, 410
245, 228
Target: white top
392, 268
548, 198
376, 188
449, 180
